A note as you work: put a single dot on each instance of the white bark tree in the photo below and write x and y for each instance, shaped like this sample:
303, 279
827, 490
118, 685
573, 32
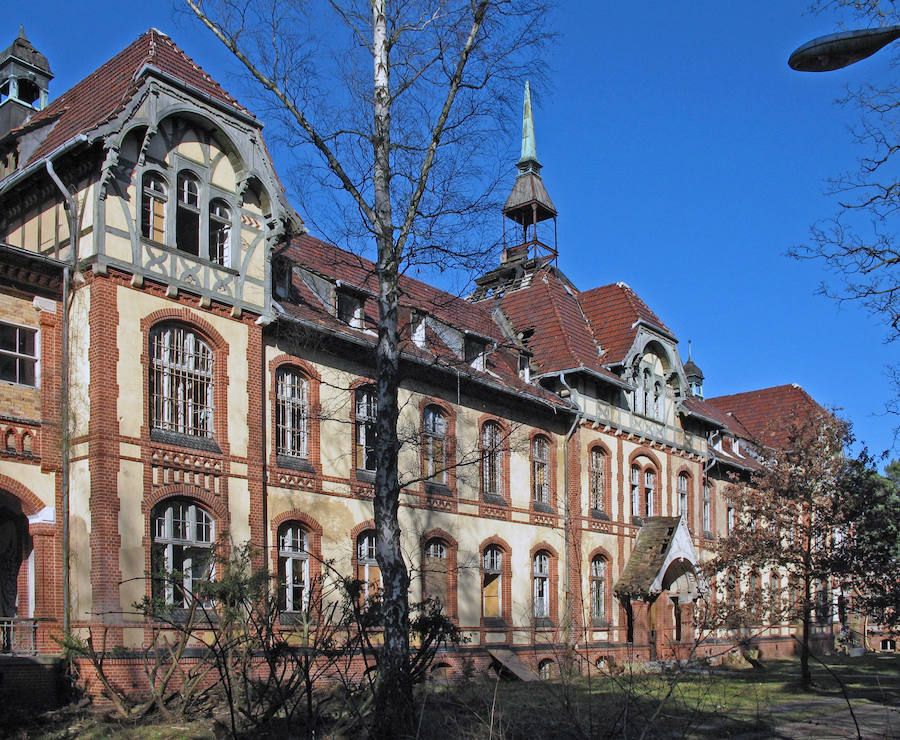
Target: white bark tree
393, 105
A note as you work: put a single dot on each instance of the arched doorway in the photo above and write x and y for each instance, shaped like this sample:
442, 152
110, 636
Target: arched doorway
15, 549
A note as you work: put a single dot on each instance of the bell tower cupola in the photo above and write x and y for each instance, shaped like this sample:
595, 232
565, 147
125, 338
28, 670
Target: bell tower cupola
694, 376
24, 83
529, 205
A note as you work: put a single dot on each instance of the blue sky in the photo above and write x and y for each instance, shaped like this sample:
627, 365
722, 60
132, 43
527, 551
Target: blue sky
684, 157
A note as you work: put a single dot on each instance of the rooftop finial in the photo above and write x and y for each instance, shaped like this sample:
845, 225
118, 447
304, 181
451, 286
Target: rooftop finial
22, 31
689, 350
529, 147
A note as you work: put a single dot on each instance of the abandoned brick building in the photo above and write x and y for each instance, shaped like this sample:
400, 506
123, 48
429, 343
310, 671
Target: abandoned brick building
181, 359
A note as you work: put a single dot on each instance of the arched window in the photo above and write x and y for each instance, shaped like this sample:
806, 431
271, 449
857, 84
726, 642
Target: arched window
187, 215
649, 492
181, 382
545, 669
435, 571
541, 585
491, 464
367, 570
598, 589
597, 474
219, 232
293, 567
540, 470
492, 591
153, 206
181, 554
682, 486
707, 509
366, 408
291, 414
434, 444
635, 491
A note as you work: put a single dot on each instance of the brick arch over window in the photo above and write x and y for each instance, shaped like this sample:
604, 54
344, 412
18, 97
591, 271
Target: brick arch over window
313, 554
449, 445
552, 582
441, 578
192, 322
311, 464
29, 502
496, 585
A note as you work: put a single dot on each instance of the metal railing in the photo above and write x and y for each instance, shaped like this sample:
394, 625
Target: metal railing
18, 636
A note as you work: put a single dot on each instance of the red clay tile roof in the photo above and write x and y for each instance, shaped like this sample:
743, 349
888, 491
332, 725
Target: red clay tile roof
714, 413
768, 412
613, 311
105, 92
333, 263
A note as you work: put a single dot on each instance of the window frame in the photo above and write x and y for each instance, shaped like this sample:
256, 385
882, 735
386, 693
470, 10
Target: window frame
541, 471
150, 199
493, 480
435, 437
182, 395
365, 398
19, 357
598, 479
292, 415
366, 562
682, 490
168, 547
599, 584
540, 574
493, 565
291, 555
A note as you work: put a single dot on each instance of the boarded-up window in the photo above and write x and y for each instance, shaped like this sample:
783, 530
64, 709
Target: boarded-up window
434, 566
493, 577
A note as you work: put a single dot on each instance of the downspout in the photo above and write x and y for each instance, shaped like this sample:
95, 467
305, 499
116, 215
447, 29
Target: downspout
567, 516
71, 205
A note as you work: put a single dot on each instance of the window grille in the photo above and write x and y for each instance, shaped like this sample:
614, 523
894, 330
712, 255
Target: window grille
597, 478
182, 382
540, 470
18, 354
490, 460
434, 433
598, 588
292, 414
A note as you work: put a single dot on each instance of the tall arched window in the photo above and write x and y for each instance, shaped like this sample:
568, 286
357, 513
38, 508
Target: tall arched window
187, 216
293, 567
291, 414
219, 232
635, 491
541, 585
434, 444
491, 464
367, 570
366, 408
598, 588
649, 492
540, 470
181, 382
492, 584
682, 488
182, 549
435, 571
153, 206
597, 474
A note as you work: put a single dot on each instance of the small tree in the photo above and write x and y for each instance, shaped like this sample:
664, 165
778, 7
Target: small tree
785, 517
397, 101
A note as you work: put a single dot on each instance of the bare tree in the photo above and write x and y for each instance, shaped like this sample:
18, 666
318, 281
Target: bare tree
860, 242
784, 522
396, 101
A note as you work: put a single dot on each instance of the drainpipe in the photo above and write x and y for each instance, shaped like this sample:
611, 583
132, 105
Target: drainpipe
579, 414
71, 205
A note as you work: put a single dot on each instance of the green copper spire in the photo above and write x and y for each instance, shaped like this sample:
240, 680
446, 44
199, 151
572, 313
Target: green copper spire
529, 159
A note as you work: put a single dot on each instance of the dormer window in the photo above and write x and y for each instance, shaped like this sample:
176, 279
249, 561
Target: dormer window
350, 309
474, 350
187, 216
525, 368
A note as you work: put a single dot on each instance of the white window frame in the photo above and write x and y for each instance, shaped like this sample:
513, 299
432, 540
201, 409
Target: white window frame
540, 469
598, 587
650, 491
434, 441
291, 413
366, 402
180, 527
541, 585
366, 557
492, 565
597, 476
491, 464
682, 485
293, 565
635, 491
19, 357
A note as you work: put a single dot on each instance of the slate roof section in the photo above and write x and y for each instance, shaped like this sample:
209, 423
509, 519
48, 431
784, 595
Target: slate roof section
650, 549
357, 273
769, 412
100, 96
614, 312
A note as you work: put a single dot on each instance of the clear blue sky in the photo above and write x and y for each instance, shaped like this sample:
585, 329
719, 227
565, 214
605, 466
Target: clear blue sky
684, 157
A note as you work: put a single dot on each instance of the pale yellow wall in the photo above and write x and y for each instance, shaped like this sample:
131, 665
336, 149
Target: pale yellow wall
79, 367
80, 539
132, 529
41, 484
